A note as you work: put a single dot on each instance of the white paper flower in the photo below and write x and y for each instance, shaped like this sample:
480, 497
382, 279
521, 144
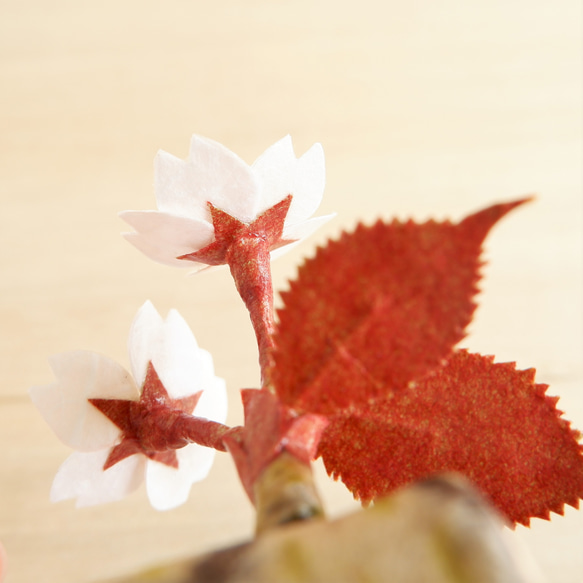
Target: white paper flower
167, 347
213, 174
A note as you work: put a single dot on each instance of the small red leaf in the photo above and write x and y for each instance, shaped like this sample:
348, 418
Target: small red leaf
488, 421
376, 309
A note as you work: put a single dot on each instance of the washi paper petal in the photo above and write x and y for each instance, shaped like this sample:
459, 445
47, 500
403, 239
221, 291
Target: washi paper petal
64, 405
81, 476
176, 358
172, 349
275, 170
169, 487
213, 400
309, 184
280, 173
212, 173
302, 230
164, 237
143, 340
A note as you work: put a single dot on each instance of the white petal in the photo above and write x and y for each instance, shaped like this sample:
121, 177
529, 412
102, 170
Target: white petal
83, 375
207, 367
81, 476
308, 187
163, 237
283, 250
280, 174
143, 340
213, 401
177, 359
275, 169
171, 347
169, 487
212, 173
305, 229
151, 250
299, 231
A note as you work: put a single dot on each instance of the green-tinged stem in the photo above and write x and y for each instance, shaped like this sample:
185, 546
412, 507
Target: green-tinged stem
285, 492
250, 265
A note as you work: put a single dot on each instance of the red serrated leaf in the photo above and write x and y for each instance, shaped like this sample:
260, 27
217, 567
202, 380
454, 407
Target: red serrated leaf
488, 421
376, 309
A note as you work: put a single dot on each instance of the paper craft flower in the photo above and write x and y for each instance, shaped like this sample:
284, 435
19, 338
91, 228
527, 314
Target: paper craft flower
97, 408
213, 177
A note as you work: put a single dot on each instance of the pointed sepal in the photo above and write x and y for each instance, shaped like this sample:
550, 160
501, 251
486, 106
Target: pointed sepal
271, 428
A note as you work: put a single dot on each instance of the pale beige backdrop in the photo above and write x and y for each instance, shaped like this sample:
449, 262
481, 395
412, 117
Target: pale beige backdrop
423, 108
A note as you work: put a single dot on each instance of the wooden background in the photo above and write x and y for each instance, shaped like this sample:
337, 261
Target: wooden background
423, 108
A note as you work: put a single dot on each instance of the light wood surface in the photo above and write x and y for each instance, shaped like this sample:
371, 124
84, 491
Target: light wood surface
423, 108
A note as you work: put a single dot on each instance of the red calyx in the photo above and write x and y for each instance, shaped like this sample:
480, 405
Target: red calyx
149, 426
270, 428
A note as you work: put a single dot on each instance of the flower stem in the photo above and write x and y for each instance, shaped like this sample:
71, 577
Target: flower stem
285, 492
191, 429
249, 261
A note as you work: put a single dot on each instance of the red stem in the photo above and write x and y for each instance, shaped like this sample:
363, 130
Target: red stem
250, 265
191, 429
